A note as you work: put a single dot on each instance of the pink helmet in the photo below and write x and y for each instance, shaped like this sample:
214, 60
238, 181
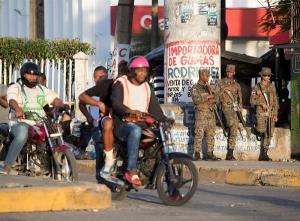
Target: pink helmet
138, 62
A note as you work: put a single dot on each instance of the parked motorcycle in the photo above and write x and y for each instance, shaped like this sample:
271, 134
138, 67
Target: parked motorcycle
45, 152
172, 174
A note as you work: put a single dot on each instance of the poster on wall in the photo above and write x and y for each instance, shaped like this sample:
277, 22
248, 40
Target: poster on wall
184, 60
192, 41
120, 53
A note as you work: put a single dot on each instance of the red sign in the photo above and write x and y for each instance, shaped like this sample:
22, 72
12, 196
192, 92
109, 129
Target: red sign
142, 18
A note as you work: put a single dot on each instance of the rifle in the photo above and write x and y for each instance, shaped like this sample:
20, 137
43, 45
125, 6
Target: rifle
215, 107
269, 114
237, 110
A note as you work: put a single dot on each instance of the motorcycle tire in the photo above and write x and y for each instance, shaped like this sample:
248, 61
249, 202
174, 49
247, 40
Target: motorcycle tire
67, 159
163, 185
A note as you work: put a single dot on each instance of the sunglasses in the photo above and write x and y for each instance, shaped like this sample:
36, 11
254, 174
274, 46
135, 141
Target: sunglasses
266, 75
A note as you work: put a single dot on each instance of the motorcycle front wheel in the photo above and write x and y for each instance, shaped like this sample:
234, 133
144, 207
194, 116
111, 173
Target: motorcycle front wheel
66, 163
180, 189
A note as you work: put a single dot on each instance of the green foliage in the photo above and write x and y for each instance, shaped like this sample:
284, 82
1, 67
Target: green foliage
15, 50
65, 49
12, 50
38, 49
281, 12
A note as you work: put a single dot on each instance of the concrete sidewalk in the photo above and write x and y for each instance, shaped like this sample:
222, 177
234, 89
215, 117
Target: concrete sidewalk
28, 194
282, 174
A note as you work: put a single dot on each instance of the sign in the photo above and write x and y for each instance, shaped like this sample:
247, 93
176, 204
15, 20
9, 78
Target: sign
184, 58
192, 41
119, 53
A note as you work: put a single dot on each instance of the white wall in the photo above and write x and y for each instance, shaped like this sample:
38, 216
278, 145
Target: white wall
87, 20
14, 18
255, 48
248, 3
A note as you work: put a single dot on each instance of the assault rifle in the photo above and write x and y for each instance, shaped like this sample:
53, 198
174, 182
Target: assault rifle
268, 114
237, 110
215, 107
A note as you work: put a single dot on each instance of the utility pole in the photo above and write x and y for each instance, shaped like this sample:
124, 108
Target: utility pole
154, 25
224, 27
295, 21
122, 34
124, 21
36, 19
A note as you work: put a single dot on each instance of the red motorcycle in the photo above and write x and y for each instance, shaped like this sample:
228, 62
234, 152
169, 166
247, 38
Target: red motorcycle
45, 152
172, 174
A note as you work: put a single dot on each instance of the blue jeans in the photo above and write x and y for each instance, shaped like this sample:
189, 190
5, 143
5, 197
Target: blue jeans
131, 133
97, 138
20, 136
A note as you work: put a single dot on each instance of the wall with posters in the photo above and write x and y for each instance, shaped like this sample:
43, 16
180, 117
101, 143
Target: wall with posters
192, 41
247, 148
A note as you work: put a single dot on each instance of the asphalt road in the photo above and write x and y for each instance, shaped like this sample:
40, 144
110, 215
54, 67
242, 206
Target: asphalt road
213, 202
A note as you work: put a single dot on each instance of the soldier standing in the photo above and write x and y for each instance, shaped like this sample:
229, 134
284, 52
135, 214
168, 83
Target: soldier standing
205, 121
264, 98
229, 91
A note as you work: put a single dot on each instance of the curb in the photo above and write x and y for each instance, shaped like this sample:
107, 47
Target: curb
231, 175
81, 196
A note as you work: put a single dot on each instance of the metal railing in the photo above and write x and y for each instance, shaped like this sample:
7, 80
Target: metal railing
59, 75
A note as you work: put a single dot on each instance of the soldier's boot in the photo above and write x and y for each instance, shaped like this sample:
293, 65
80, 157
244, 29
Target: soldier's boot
264, 155
210, 156
229, 155
196, 155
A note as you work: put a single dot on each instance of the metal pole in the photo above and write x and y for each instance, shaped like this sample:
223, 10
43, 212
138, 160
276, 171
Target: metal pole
154, 25
124, 21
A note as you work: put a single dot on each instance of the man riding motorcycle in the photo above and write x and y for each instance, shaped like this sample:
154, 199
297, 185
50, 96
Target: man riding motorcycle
131, 94
23, 96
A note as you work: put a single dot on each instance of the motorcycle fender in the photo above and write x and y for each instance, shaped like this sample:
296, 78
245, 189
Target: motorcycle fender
61, 148
175, 155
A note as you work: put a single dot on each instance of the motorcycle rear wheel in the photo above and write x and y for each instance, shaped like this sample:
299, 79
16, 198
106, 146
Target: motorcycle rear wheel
182, 188
67, 165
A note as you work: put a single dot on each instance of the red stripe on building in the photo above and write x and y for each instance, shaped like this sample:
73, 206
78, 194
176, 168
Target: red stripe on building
243, 22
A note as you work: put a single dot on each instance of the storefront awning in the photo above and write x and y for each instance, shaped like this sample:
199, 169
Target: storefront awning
280, 38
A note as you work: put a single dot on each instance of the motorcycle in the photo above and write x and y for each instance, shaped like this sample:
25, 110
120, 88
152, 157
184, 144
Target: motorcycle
45, 153
172, 174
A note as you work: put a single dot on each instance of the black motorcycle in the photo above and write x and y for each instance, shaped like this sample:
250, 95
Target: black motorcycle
45, 153
172, 174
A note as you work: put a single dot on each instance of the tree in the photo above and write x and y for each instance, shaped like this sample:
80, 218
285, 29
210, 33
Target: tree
277, 15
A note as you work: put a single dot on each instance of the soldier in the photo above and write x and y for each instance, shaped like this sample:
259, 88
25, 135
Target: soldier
264, 98
205, 121
229, 91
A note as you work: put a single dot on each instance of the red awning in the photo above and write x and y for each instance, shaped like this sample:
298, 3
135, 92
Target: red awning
280, 38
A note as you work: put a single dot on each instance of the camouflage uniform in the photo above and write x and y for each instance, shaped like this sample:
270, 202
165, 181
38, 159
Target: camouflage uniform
230, 115
257, 98
205, 121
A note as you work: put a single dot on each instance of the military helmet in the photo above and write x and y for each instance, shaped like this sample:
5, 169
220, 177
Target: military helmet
230, 68
204, 71
265, 71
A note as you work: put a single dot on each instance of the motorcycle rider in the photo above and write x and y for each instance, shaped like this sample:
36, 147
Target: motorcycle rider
131, 94
23, 96
99, 96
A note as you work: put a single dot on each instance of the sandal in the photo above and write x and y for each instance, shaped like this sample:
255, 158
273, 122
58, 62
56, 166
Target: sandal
133, 179
9, 172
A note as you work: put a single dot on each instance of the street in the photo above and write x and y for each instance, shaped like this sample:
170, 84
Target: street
211, 202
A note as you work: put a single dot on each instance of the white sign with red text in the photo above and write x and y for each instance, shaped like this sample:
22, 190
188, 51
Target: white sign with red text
192, 41
119, 53
184, 58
